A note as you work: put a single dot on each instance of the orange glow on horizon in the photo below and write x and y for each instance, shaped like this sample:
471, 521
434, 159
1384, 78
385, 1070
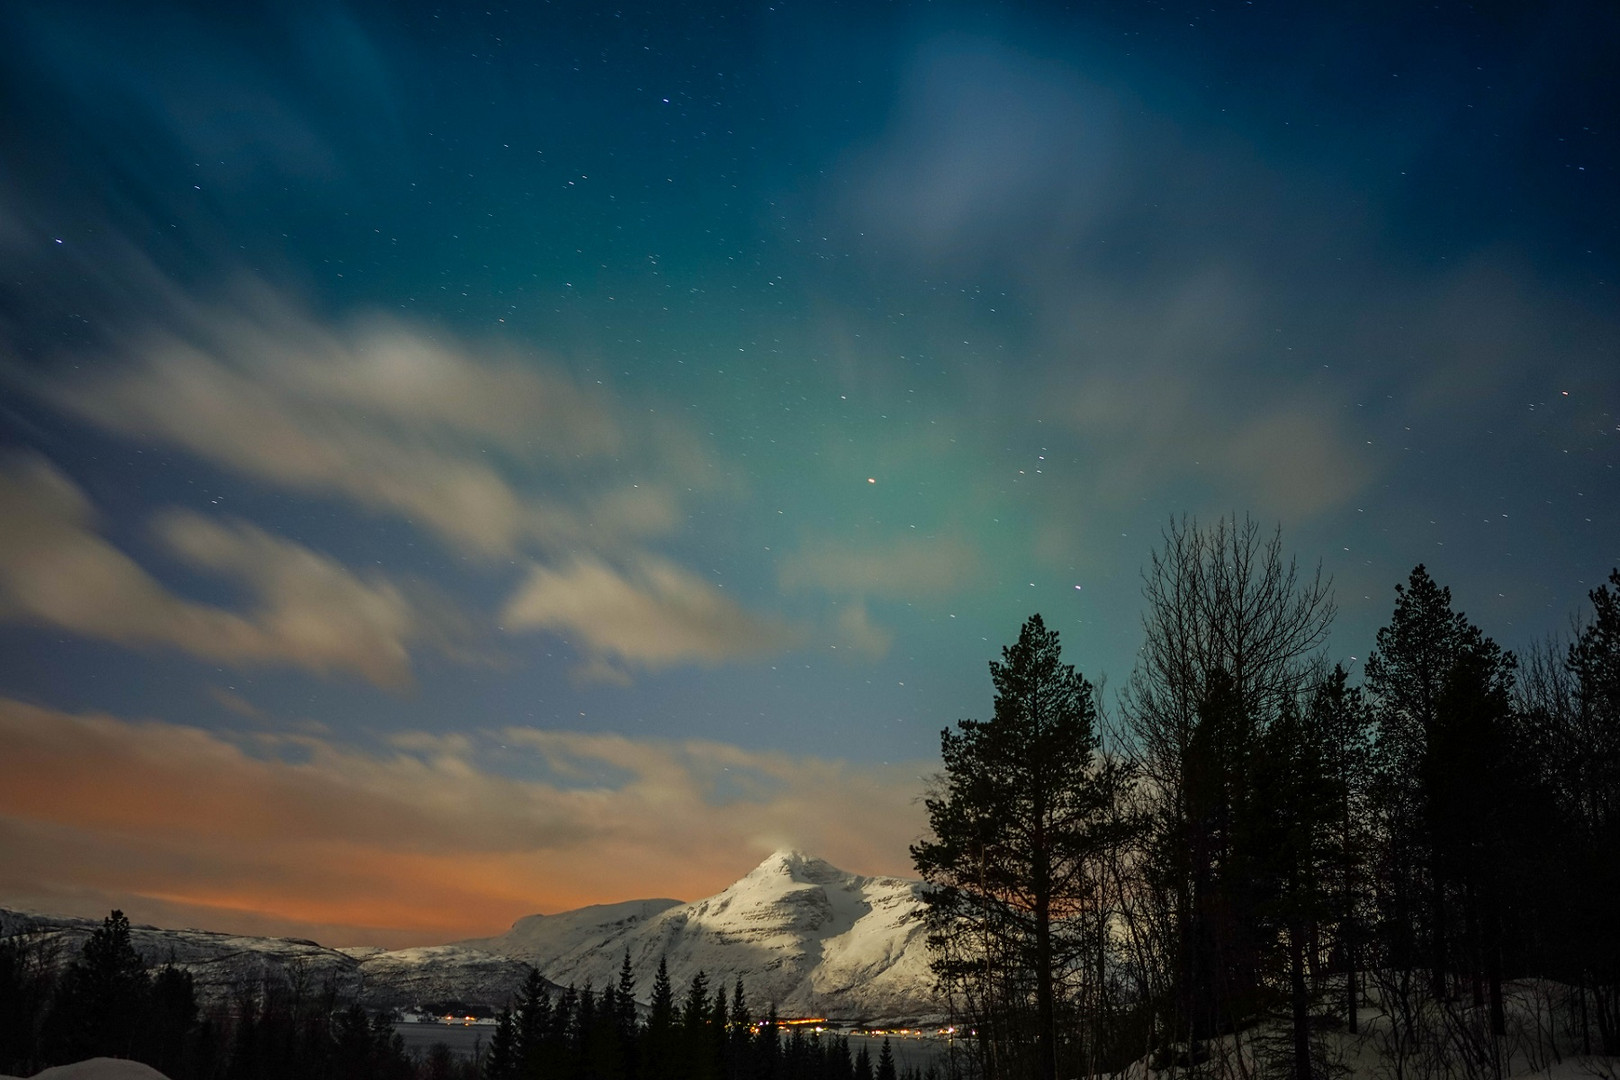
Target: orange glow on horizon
181, 827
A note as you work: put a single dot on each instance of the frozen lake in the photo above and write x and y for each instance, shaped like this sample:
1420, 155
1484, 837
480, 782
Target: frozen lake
462, 1039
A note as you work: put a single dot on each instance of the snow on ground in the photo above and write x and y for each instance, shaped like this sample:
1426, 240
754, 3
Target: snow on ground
1541, 1043
98, 1069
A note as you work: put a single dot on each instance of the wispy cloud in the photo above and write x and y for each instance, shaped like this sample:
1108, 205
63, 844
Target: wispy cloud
651, 615
1155, 399
860, 633
434, 838
311, 612
499, 456
395, 419
905, 568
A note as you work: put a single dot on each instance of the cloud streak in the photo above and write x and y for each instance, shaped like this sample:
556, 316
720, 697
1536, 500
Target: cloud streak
387, 416
311, 612
424, 840
652, 615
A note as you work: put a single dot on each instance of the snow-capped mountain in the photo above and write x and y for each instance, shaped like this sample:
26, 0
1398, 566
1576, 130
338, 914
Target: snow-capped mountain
797, 930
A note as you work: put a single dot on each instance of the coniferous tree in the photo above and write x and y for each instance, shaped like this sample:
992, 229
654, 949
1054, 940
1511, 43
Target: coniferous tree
1290, 825
694, 1042
1569, 704
885, 1062
1480, 798
768, 1047
533, 1026
562, 1044
662, 1015
1018, 818
740, 1043
1434, 679
719, 1035
503, 1059
863, 1064
659, 1042
355, 1049
1594, 808
172, 1017
101, 1003
26, 984
695, 1009
625, 1012
1340, 716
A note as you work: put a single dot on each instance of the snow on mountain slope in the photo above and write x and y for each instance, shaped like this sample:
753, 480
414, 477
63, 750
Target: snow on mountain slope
216, 961
391, 980
799, 932
566, 936
221, 963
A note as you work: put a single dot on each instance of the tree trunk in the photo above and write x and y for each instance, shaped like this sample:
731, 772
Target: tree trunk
1350, 988
1437, 942
1301, 1003
1046, 1012
1347, 927
1494, 960
1586, 1026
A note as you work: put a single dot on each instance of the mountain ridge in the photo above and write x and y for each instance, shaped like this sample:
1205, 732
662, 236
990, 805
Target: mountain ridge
800, 933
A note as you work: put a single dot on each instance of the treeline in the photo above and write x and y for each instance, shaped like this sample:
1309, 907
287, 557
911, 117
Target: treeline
1251, 848
108, 1003
588, 1036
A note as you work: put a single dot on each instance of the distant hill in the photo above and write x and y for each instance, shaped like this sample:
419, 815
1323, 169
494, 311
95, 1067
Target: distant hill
378, 978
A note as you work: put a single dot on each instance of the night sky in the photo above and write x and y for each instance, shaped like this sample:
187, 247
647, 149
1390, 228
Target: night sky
464, 461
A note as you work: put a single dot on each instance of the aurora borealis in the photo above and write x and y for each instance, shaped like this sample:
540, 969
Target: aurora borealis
465, 461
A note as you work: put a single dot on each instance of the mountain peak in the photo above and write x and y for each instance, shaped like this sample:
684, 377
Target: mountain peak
796, 865
799, 931
788, 856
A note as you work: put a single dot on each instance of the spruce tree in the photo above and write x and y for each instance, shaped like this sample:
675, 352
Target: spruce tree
719, 1035
885, 1063
695, 1009
662, 1016
626, 1001
740, 1044
768, 1047
502, 1060
533, 1026
659, 1042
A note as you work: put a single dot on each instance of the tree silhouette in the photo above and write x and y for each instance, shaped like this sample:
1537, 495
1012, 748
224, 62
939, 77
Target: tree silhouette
885, 1063
101, 1002
1017, 817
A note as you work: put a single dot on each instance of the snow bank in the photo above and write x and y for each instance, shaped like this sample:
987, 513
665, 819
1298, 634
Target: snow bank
98, 1069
